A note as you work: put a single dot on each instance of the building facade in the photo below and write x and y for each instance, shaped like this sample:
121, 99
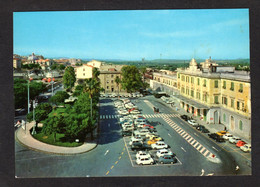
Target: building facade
218, 95
165, 81
108, 74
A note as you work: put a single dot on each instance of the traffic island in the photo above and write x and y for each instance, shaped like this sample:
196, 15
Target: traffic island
214, 159
25, 138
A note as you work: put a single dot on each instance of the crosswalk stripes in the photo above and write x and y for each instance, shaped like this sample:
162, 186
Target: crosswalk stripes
200, 148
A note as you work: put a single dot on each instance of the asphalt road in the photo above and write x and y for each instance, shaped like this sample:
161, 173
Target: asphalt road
112, 157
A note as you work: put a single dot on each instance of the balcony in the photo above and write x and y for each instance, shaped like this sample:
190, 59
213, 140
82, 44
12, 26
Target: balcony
224, 87
232, 89
240, 90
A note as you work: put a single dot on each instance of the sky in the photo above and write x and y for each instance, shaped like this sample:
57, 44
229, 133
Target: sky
134, 34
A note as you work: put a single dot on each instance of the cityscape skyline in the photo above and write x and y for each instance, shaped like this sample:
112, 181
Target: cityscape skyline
135, 34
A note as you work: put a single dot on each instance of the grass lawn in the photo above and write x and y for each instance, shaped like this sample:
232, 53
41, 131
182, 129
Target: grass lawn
60, 140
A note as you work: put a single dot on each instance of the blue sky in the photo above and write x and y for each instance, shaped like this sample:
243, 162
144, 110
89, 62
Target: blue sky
134, 34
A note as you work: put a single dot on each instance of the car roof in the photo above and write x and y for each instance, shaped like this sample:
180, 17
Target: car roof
163, 150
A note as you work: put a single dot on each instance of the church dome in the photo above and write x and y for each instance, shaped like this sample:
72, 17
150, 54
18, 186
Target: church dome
32, 57
193, 62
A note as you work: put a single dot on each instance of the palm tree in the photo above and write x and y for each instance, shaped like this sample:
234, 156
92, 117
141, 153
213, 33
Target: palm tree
92, 88
117, 80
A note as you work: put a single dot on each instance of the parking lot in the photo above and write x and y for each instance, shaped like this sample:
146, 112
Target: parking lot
132, 156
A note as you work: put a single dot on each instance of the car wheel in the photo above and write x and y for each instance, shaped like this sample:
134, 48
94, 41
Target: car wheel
151, 163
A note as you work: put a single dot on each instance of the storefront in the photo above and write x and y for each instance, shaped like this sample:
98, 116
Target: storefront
193, 107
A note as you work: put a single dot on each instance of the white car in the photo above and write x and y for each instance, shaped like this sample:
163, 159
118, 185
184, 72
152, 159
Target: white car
234, 139
123, 112
135, 112
141, 132
130, 105
127, 124
159, 145
163, 152
142, 154
227, 136
135, 141
192, 122
142, 160
140, 125
246, 148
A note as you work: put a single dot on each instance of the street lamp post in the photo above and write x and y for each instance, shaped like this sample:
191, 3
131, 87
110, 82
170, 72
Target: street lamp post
34, 105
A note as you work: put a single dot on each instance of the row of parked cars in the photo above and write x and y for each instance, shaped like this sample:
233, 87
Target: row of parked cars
143, 138
125, 107
113, 95
220, 136
195, 124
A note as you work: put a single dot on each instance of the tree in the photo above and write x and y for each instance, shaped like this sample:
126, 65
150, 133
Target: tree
21, 91
131, 80
117, 80
53, 125
69, 77
61, 67
59, 97
78, 90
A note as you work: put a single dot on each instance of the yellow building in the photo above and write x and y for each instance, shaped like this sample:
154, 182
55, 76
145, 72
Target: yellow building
217, 94
165, 81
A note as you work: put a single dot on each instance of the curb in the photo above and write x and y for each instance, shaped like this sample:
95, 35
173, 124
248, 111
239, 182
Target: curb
57, 153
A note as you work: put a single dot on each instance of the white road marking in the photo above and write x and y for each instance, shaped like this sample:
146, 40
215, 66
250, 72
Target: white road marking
203, 149
169, 135
210, 174
214, 148
108, 124
106, 152
207, 151
199, 147
183, 149
195, 134
202, 172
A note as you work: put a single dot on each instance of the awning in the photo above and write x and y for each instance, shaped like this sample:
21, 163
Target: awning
191, 102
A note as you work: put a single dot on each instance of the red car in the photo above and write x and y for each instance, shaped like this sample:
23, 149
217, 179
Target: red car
150, 126
240, 143
132, 109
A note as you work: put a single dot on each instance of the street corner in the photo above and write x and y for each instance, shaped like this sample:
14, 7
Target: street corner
214, 159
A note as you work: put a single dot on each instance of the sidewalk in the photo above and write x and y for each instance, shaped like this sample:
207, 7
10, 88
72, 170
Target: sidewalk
213, 128
25, 138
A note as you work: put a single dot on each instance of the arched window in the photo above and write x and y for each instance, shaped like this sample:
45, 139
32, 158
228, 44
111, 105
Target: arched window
240, 125
224, 117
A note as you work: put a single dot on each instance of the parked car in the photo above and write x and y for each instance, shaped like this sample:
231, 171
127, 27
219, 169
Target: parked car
140, 120
144, 160
140, 146
141, 132
234, 139
216, 137
222, 133
159, 145
246, 148
163, 152
126, 133
240, 143
20, 112
167, 159
227, 136
192, 122
135, 112
185, 117
154, 136
202, 128
123, 112
133, 141
142, 153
